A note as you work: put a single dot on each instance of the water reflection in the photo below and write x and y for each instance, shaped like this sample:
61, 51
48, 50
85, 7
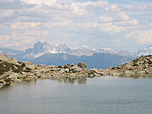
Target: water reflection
104, 95
71, 81
75, 81
82, 81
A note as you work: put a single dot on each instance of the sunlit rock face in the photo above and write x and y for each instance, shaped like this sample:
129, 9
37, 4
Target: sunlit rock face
141, 66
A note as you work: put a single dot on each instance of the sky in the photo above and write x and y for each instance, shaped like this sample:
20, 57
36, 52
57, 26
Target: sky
116, 24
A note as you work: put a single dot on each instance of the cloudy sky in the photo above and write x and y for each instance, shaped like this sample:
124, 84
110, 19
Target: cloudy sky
117, 24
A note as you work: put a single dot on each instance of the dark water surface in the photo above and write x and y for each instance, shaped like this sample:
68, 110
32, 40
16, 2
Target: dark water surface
105, 95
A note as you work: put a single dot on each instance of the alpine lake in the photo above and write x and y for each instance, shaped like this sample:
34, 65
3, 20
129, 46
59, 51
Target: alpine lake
103, 95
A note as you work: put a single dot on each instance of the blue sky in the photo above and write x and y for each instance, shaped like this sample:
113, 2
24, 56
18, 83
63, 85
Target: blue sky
117, 24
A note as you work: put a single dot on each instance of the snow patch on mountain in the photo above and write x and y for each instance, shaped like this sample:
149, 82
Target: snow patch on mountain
145, 51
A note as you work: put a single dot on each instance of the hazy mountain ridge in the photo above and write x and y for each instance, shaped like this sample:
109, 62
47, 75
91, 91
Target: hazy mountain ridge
45, 48
97, 60
10, 52
51, 54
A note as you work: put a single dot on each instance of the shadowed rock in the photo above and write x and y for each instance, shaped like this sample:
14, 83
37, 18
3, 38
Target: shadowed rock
82, 65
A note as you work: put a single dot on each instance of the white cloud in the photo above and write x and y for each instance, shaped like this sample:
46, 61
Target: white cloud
41, 2
105, 19
113, 8
76, 9
143, 36
137, 8
24, 25
6, 13
123, 16
39, 19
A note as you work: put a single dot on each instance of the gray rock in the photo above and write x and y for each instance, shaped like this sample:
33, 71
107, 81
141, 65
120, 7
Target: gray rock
142, 73
82, 65
14, 76
115, 74
2, 83
29, 64
15, 60
5, 58
66, 70
129, 73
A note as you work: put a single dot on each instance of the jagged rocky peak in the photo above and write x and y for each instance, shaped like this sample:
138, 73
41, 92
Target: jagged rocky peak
145, 51
5, 58
117, 52
46, 47
106, 50
83, 50
62, 48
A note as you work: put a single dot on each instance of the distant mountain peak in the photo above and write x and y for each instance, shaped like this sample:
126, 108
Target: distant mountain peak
40, 48
145, 51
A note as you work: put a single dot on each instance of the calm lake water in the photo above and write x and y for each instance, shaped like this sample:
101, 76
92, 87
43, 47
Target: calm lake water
105, 95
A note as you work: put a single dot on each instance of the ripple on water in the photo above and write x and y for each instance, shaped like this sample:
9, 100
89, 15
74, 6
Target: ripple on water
105, 95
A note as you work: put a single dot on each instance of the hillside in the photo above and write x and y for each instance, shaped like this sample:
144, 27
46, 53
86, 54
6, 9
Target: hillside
97, 60
141, 66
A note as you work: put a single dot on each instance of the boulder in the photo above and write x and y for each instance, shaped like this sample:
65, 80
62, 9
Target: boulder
52, 66
75, 69
129, 73
61, 71
142, 73
15, 60
66, 70
2, 83
5, 58
82, 65
29, 64
96, 72
42, 66
14, 76
115, 74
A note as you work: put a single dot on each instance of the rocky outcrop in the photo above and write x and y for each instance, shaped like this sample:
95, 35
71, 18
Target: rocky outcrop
12, 71
4, 57
140, 67
82, 65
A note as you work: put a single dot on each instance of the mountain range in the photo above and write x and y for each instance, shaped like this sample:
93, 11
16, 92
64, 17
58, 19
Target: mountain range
51, 54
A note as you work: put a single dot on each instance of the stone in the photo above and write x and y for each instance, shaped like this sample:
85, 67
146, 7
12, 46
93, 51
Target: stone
82, 65
75, 69
2, 83
14, 76
91, 76
142, 73
27, 79
29, 64
15, 60
129, 73
52, 66
5, 58
61, 71
115, 74
42, 65
8, 81
66, 70
94, 70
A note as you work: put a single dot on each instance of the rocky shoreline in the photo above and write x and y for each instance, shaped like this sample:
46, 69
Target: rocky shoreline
139, 67
14, 72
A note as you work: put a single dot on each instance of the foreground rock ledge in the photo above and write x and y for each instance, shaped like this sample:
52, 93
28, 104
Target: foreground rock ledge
12, 71
140, 67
